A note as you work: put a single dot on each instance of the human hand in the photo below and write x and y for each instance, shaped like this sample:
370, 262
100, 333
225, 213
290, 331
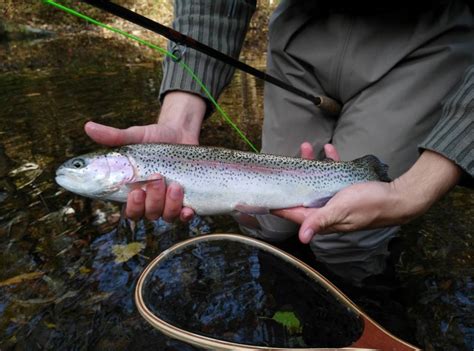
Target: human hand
376, 204
180, 122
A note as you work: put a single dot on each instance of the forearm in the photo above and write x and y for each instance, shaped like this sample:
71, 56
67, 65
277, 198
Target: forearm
453, 135
448, 152
221, 24
414, 192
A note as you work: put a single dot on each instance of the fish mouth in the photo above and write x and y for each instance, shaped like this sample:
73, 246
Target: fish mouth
62, 179
60, 173
68, 180
62, 176
71, 183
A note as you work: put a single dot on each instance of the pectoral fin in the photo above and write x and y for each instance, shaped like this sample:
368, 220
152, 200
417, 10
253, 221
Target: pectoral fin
319, 202
246, 220
141, 183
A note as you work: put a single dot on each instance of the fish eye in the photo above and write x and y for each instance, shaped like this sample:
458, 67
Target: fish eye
78, 163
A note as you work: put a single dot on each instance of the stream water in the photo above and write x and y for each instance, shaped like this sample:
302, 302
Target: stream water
63, 283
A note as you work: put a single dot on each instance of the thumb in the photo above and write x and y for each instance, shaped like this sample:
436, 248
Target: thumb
306, 150
312, 225
113, 136
331, 152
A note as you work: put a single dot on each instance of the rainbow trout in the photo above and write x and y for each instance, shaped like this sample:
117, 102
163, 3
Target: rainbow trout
217, 180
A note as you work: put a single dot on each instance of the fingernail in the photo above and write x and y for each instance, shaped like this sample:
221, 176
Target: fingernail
156, 180
175, 192
308, 234
91, 125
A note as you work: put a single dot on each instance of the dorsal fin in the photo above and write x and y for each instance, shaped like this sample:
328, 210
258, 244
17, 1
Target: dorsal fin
380, 168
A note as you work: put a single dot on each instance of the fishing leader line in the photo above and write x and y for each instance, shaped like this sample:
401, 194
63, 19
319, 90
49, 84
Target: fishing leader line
164, 52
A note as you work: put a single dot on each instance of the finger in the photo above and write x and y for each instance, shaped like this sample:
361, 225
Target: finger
155, 197
312, 225
307, 151
186, 214
297, 214
173, 202
135, 204
111, 136
331, 152
103, 134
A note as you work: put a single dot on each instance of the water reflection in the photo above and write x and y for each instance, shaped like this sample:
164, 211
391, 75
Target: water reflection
59, 282
232, 291
68, 288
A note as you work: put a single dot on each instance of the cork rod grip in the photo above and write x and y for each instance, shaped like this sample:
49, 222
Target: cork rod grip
329, 105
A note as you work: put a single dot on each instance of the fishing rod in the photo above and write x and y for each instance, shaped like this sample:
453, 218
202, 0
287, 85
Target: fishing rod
164, 52
323, 102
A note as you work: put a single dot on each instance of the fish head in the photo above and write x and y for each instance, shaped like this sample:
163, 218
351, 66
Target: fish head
96, 175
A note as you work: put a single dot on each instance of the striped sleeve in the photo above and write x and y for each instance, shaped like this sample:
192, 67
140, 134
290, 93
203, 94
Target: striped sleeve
220, 24
453, 136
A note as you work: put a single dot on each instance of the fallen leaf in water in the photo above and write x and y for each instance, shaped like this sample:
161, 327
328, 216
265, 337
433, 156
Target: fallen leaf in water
50, 325
29, 166
445, 284
84, 270
96, 298
38, 301
25, 174
289, 321
417, 270
125, 252
21, 278
68, 295
100, 217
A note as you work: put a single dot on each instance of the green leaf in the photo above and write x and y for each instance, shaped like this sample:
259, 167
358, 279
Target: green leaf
289, 321
125, 252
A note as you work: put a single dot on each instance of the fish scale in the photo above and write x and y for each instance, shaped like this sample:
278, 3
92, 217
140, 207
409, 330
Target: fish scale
218, 180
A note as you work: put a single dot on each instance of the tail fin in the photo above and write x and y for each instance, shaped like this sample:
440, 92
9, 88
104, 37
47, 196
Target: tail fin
372, 162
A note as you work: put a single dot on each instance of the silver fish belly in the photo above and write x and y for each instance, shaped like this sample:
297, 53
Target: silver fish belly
218, 180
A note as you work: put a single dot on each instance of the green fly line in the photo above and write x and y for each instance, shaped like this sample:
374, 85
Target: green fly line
164, 52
